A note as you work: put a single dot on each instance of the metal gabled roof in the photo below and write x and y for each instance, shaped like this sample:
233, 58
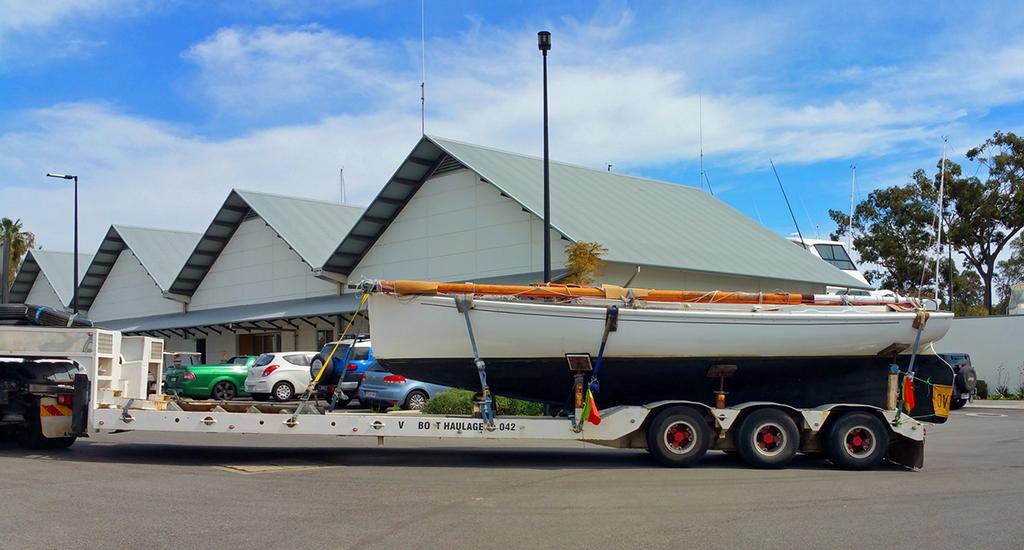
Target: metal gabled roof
160, 251
640, 221
58, 267
310, 227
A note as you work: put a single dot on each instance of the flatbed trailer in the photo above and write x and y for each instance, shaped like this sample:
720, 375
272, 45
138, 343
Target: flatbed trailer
110, 393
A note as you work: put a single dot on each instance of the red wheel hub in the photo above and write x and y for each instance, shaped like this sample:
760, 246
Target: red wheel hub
679, 436
859, 441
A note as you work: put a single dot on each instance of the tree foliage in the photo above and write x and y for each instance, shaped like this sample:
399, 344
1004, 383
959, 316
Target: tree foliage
583, 262
22, 241
892, 229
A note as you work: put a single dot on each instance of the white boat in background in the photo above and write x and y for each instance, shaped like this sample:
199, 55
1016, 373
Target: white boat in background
664, 344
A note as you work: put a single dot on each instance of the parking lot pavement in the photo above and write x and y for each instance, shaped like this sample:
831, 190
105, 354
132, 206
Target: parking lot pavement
205, 491
996, 404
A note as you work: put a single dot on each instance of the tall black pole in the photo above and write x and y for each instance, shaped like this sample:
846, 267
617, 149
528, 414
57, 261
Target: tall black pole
74, 299
544, 43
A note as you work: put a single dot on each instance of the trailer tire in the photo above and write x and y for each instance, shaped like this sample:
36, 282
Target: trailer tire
857, 441
678, 437
768, 438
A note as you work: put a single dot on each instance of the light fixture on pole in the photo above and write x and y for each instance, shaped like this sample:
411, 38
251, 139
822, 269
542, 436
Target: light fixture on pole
74, 282
544, 45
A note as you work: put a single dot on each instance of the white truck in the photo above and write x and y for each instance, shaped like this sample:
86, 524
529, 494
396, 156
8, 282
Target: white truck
57, 384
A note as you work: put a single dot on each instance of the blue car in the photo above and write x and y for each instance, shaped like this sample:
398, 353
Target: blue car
346, 373
381, 389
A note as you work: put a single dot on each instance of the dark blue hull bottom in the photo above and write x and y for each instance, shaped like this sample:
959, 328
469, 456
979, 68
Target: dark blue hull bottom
803, 382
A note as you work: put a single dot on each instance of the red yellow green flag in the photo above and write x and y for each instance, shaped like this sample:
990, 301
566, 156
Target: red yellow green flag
908, 392
590, 412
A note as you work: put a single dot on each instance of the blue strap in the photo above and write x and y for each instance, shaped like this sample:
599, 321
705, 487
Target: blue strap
610, 319
39, 311
337, 389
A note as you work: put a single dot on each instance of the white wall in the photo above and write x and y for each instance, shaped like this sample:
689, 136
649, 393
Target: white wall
130, 292
653, 277
42, 294
992, 342
257, 266
457, 228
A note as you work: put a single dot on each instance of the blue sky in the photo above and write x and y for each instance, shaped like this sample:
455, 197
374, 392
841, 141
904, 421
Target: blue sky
162, 107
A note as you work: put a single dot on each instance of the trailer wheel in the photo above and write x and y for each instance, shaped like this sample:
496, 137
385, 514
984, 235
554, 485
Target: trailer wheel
678, 437
857, 441
768, 438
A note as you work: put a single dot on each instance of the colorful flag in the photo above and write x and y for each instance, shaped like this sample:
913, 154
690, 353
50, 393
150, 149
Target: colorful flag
908, 392
590, 412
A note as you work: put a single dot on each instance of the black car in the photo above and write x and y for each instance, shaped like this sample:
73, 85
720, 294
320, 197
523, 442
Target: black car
964, 385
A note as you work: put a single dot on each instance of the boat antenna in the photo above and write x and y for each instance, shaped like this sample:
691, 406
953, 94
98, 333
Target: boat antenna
423, 67
853, 186
778, 179
341, 182
700, 138
938, 216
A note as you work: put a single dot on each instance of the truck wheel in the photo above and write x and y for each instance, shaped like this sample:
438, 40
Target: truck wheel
857, 441
678, 437
957, 404
768, 438
31, 435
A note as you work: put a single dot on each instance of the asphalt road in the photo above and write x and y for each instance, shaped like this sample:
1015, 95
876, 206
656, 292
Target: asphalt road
204, 491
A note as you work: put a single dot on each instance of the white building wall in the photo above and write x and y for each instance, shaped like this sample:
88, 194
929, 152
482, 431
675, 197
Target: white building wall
129, 292
257, 266
654, 277
42, 294
994, 344
457, 228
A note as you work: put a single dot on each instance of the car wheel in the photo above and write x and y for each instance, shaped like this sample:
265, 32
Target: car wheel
224, 391
283, 391
957, 403
768, 438
416, 400
857, 441
678, 437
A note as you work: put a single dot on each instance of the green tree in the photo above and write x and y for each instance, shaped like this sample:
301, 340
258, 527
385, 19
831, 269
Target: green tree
892, 229
21, 242
985, 216
1011, 272
968, 291
583, 261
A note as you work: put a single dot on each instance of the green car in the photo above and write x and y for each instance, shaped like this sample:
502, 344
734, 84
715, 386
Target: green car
225, 381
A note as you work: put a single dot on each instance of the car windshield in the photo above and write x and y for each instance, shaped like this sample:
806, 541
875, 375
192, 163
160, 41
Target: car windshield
264, 359
836, 255
376, 367
238, 360
337, 354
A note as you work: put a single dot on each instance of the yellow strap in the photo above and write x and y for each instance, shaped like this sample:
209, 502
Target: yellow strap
327, 361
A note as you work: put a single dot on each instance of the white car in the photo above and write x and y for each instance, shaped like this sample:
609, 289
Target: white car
280, 376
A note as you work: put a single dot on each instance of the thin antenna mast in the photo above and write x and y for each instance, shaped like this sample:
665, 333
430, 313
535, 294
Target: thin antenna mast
778, 179
700, 135
341, 182
423, 67
853, 186
938, 216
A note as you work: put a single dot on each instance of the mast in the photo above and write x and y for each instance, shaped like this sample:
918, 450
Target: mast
700, 136
853, 187
423, 67
938, 216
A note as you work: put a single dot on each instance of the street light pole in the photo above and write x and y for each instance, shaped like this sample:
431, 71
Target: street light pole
544, 44
74, 282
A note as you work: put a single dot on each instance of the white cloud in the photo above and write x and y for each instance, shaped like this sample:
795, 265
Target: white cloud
631, 103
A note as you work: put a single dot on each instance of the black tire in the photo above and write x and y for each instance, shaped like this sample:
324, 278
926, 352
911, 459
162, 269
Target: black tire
224, 391
416, 400
282, 391
31, 435
768, 438
957, 403
857, 441
678, 437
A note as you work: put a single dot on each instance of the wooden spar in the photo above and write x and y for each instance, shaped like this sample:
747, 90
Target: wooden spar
614, 292
606, 291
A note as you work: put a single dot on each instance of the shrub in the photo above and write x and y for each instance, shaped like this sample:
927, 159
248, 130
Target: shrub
982, 389
461, 402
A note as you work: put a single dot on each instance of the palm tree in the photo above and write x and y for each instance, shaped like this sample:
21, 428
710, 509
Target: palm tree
20, 243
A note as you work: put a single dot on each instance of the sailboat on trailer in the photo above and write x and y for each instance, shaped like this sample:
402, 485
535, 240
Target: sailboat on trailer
800, 349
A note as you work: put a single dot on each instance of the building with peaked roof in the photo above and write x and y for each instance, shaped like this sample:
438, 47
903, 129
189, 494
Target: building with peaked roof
252, 281
456, 211
44, 278
131, 271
